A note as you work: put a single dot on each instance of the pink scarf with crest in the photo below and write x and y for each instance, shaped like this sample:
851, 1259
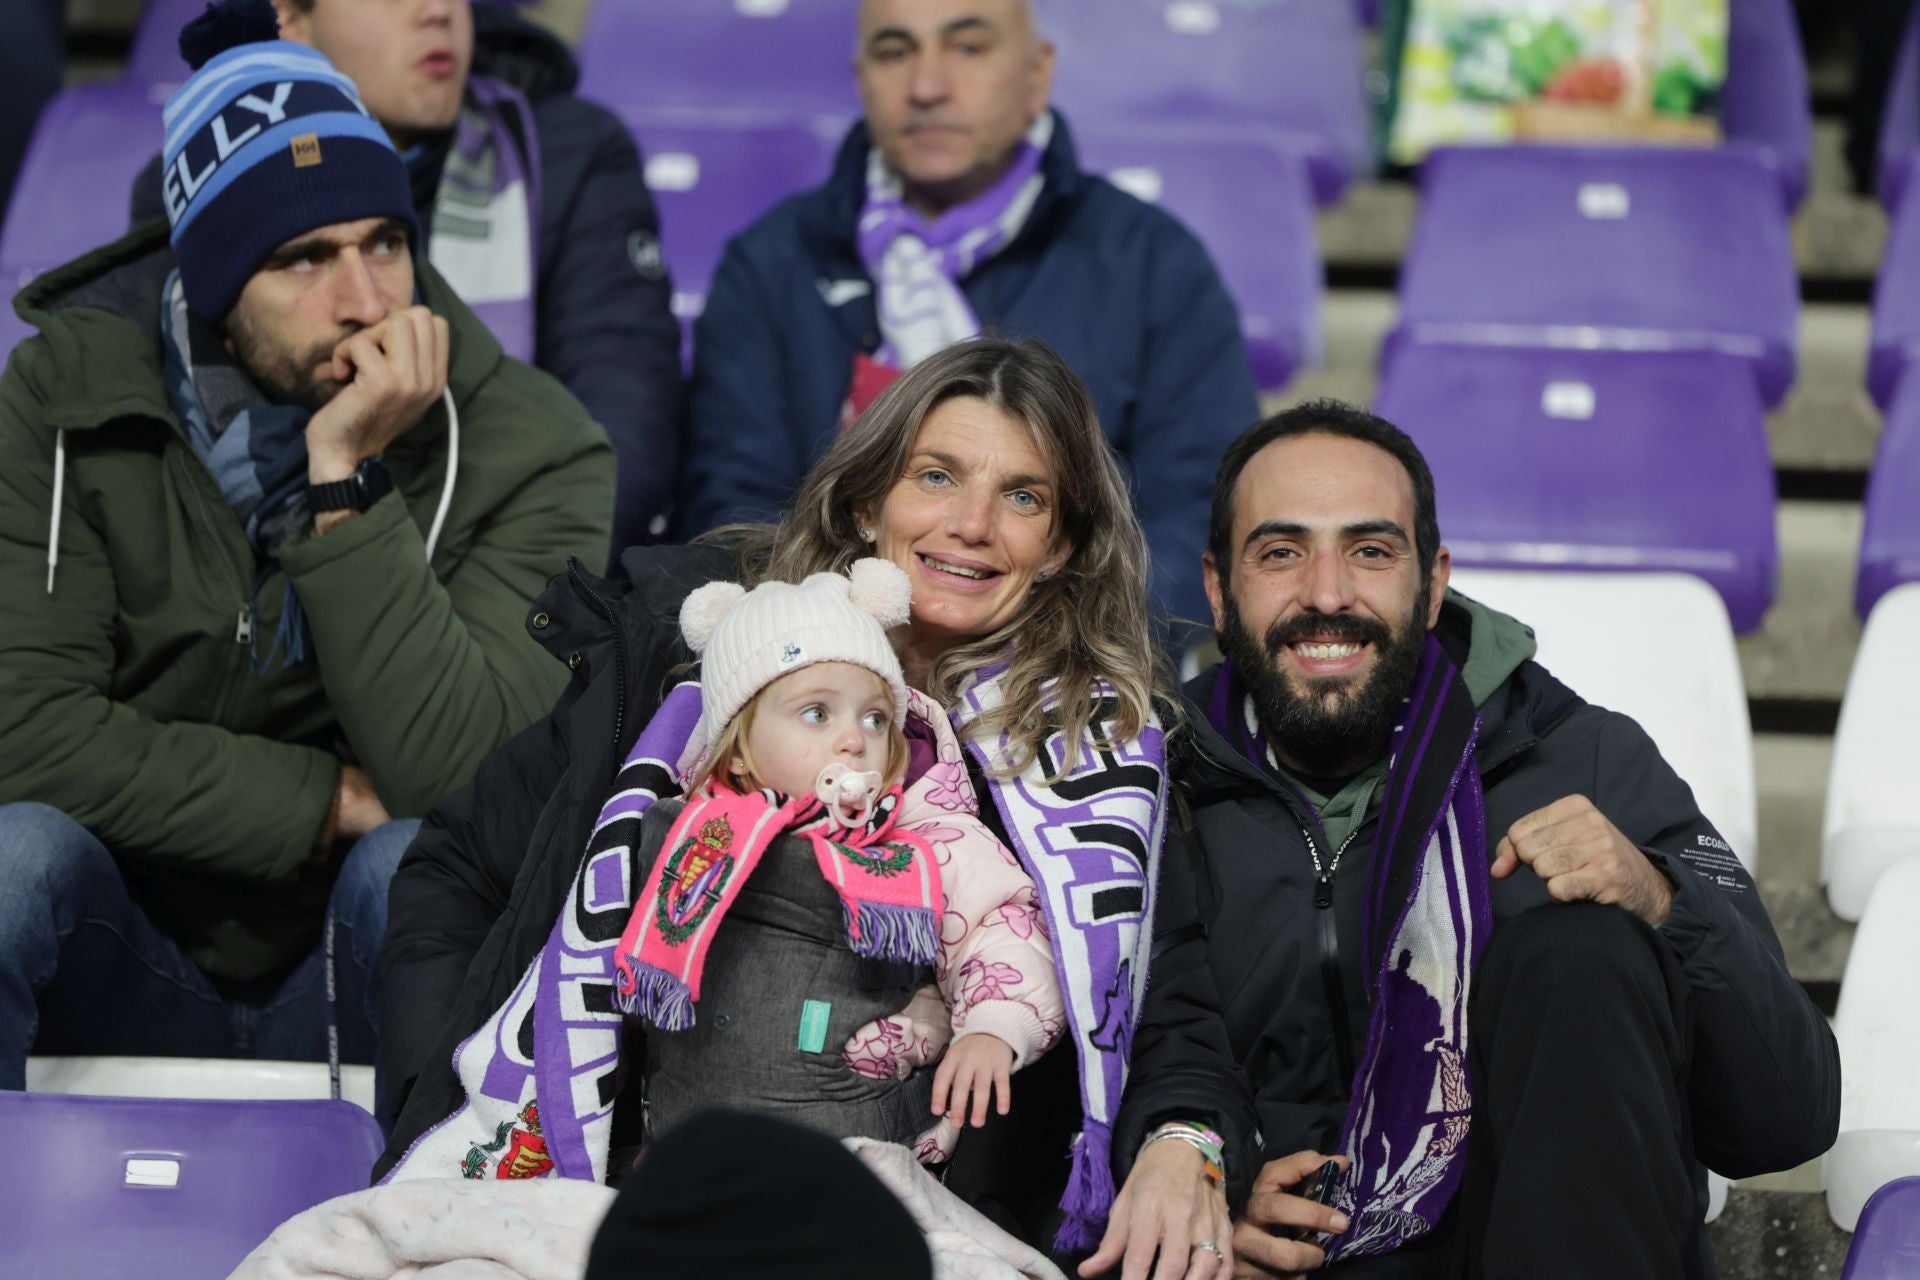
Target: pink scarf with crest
888, 882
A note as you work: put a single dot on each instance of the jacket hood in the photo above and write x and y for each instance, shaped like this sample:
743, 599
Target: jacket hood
523, 53
1518, 701
944, 783
97, 357
847, 187
1497, 646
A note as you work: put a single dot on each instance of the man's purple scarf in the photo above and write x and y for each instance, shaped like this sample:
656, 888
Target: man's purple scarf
916, 265
543, 1070
1426, 921
486, 213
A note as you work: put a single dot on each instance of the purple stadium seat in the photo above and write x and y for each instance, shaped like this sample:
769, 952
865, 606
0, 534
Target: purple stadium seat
1576, 459
711, 180
72, 192
791, 57
1765, 103
155, 56
1896, 302
1886, 1244
1292, 65
1900, 126
1250, 201
1890, 545
1643, 249
142, 1189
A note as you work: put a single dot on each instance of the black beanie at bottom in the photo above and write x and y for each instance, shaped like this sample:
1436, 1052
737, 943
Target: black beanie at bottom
729, 1194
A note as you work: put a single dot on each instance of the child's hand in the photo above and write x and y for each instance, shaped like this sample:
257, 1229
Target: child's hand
974, 1068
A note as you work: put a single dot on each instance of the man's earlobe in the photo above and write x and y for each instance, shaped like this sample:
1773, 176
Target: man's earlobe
293, 22
1442, 574
1216, 590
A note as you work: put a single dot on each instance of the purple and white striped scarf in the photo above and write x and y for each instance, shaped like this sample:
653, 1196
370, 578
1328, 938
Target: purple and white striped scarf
1091, 842
1428, 914
917, 266
486, 214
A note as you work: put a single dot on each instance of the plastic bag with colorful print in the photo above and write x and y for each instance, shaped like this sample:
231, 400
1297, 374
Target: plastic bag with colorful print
1486, 71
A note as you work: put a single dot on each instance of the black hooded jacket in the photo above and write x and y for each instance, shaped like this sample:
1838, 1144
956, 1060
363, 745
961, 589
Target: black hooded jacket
478, 891
1239, 1026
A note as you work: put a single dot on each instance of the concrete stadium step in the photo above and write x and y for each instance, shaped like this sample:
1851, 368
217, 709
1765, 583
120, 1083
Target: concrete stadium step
1778, 1235
1804, 650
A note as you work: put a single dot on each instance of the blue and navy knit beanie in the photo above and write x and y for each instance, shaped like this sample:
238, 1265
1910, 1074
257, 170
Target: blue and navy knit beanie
265, 143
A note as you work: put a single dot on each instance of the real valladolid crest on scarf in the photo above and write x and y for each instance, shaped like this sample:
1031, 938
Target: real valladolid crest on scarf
540, 1072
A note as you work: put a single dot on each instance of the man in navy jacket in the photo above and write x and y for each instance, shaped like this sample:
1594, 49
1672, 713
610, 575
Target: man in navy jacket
955, 91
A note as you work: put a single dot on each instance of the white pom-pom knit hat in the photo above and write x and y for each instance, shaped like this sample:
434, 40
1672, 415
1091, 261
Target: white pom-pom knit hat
748, 639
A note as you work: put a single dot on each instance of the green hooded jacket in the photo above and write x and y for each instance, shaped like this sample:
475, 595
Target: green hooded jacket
128, 697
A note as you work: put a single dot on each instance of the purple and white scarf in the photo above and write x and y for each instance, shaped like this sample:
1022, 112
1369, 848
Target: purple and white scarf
543, 1070
917, 266
486, 214
1427, 918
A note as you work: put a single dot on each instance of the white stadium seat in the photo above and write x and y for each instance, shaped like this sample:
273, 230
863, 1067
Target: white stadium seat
1878, 1026
1685, 690
1872, 820
1679, 677
241, 1078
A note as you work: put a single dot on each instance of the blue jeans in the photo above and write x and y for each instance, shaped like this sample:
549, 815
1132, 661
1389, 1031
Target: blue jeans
83, 971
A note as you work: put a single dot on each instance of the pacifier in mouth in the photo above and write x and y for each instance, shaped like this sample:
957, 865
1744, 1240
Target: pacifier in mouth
848, 794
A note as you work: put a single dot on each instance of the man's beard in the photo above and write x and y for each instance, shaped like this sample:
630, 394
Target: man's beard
1329, 727
284, 377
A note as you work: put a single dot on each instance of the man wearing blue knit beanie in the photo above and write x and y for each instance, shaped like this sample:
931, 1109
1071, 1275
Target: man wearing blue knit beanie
273, 510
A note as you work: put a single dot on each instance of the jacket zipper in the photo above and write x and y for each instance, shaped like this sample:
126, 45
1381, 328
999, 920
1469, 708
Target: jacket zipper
605, 610
192, 477
1329, 933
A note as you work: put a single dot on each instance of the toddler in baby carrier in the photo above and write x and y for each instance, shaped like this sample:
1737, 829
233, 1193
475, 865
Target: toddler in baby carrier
826, 861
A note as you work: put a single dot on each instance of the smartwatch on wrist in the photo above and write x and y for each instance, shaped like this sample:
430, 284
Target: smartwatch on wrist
367, 485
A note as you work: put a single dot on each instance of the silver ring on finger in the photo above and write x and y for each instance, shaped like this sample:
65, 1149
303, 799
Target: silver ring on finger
1210, 1247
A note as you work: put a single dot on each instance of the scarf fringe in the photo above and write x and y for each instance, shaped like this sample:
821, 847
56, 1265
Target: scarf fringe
885, 931
1090, 1192
654, 994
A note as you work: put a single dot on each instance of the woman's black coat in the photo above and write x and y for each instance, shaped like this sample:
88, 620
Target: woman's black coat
478, 892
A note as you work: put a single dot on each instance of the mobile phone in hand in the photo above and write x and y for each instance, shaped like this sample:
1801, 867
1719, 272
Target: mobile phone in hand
1318, 1187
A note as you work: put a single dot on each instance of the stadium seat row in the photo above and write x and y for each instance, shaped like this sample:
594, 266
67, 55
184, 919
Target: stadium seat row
1599, 276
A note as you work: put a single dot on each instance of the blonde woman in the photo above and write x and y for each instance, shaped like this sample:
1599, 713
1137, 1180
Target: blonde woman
983, 474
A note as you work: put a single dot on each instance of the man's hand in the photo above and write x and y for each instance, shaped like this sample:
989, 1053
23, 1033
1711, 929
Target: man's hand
359, 807
1263, 1251
975, 1068
1582, 857
390, 375
1168, 1207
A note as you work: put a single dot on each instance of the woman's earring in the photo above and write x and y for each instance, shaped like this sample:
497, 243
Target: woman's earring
866, 534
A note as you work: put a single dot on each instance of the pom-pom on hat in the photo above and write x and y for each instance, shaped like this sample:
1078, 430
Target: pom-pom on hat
748, 639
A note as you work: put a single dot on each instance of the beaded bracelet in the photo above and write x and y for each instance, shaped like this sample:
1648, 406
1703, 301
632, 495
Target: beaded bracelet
1210, 1145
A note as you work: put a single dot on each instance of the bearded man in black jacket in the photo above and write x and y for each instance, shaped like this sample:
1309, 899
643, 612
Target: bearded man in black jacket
1439, 918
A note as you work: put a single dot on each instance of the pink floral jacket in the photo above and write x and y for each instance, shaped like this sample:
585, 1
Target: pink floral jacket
995, 974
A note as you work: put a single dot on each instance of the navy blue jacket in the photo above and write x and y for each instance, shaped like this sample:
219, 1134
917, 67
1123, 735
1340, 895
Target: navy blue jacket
603, 323
1123, 291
